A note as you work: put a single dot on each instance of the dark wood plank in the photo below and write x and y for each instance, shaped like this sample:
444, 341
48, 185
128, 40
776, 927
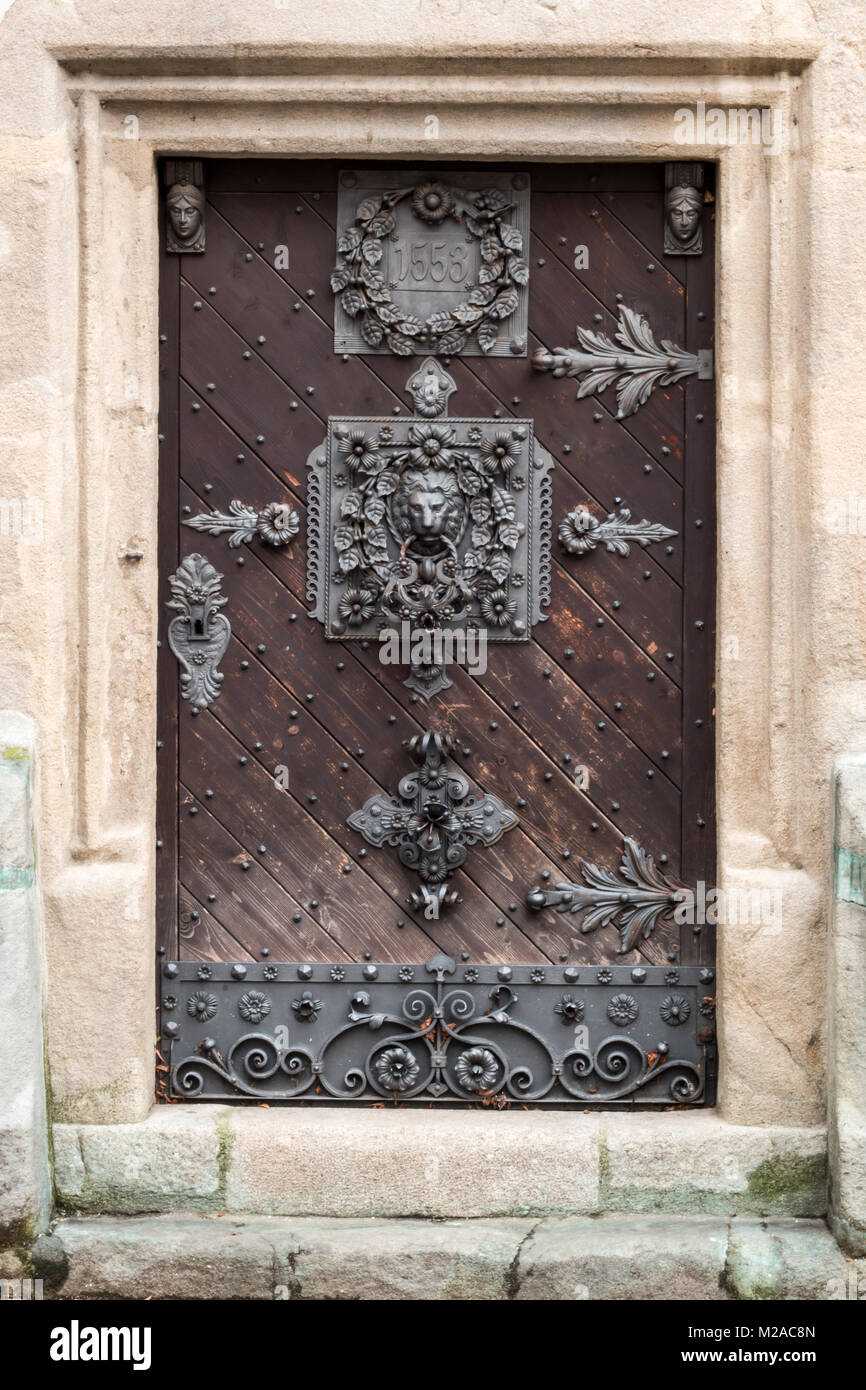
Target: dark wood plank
253, 347
202, 937
168, 556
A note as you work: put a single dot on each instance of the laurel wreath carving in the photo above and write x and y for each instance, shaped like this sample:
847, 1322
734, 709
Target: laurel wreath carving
365, 294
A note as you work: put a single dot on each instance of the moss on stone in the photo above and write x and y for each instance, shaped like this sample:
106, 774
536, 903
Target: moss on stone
14, 753
781, 1183
226, 1138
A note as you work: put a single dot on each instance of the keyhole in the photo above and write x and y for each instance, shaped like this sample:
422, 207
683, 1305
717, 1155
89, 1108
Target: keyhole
198, 627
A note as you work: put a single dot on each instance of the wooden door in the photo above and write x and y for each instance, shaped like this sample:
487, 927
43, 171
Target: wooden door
596, 732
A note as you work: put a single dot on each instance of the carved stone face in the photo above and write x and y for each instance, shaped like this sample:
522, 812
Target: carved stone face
684, 211
185, 213
428, 506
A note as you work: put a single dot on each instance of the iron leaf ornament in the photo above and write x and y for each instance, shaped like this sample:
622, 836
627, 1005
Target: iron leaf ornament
432, 821
199, 633
637, 366
580, 531
633, 902
276, 524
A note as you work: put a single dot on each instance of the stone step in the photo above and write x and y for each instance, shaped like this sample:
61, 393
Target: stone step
190, 1256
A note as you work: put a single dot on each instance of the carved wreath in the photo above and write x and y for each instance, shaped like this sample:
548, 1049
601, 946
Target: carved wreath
476, 473
365, 294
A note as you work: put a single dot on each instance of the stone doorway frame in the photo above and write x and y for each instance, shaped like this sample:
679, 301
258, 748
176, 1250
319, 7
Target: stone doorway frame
99, 872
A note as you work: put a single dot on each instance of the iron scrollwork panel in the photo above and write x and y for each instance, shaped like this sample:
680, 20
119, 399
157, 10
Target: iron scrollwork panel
494, 1035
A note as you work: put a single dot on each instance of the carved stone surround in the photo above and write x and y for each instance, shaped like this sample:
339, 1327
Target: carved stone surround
109, 859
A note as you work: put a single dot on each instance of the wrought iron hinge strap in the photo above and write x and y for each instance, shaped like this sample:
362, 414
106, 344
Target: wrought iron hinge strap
637, 365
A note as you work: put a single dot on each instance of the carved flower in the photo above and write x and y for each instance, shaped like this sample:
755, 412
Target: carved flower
500, 452
359, 450
708, 1007
675, 1010
471, 975
604, 976
498, 609
307, 1007
571, 1010
518, 483
337, 973
278, 523
200, 658
576, 531
477, 1069
170, 1001
205, 972
396, 1069
196, 593
518, 580
475, 434
430, 443
270, 972
406, 973
672, 977
201, 1007
537, 975
357, 606
432, 202
254, 1006
622, 1009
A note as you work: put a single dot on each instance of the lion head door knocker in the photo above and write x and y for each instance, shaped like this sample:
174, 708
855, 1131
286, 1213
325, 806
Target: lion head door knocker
184, 204
429, 533
432, 821
684, 206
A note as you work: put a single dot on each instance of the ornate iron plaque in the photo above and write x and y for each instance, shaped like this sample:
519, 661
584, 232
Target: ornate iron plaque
429, 522
439, 1032
199, 633
430, 262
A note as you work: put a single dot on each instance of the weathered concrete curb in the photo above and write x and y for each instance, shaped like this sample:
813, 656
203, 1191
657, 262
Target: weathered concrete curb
572, 1258
25, 1181
443, 1164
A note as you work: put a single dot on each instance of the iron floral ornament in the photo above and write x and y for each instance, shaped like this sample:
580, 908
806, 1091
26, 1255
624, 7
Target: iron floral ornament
633, 902
580, 532
637, 365
276, 524
432, 821
431, 263
422, 524
199, 633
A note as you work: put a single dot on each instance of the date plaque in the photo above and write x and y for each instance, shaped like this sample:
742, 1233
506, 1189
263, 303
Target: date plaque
431, 262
